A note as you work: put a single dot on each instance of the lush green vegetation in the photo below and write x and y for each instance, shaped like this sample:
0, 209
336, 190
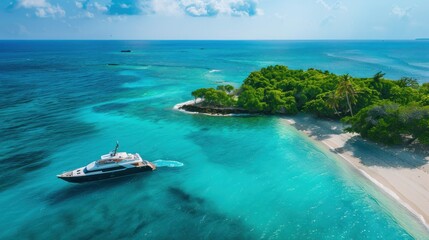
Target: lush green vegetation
223, 96
391, 123
382, 110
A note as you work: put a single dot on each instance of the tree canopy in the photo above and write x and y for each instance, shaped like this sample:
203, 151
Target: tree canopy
219, 97
380, 109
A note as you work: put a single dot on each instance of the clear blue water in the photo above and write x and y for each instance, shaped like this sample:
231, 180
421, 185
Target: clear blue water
62, 106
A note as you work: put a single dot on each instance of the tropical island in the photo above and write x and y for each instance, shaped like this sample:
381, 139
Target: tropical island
386, 111
334, 110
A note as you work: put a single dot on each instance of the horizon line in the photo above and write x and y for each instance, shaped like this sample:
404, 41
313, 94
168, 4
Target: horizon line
326, 39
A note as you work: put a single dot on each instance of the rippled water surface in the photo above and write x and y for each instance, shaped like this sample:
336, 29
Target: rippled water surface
64, 103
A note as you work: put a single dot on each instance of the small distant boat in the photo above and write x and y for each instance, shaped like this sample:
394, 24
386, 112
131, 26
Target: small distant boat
112, 165
127, 50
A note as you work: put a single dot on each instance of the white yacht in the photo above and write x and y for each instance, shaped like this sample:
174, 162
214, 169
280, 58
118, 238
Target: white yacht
114, 164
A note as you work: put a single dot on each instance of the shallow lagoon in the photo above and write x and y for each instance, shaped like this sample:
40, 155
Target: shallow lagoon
243, 177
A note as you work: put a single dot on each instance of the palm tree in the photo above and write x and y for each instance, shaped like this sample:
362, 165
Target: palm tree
408, 82
332, 101
376, 81
345, 88
378, 76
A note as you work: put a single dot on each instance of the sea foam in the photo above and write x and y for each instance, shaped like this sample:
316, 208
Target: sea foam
167, 163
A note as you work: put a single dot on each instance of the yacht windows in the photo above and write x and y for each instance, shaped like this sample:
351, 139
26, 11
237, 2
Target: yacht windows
112, 169
85, 170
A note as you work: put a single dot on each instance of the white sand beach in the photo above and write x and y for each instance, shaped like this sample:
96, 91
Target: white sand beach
402, 174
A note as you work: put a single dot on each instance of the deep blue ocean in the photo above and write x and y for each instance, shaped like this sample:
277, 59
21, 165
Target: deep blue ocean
62, 106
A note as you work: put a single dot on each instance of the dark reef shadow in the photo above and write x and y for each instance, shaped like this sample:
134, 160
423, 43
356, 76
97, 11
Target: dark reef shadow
17, 166
199, 217
174, 213
183, 196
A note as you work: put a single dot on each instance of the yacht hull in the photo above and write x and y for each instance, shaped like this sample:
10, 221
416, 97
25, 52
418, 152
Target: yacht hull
105, 175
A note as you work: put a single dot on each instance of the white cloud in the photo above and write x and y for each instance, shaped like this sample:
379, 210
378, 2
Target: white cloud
201, 8
333, 10
84, 14
324, 4
337, 5
123, 5
401, 12
79, 4
42, 8
89, 14
166, 7
197, 10
117, 18
50, 11
32, 3
100, 7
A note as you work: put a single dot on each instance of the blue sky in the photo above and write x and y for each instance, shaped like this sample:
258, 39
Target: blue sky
214, 19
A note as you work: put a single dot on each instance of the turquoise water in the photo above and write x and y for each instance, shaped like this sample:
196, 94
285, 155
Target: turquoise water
62, 106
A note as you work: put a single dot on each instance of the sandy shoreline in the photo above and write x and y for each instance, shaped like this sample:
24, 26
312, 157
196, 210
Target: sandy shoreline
402, 174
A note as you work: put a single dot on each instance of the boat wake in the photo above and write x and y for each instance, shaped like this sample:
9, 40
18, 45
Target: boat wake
167, 163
